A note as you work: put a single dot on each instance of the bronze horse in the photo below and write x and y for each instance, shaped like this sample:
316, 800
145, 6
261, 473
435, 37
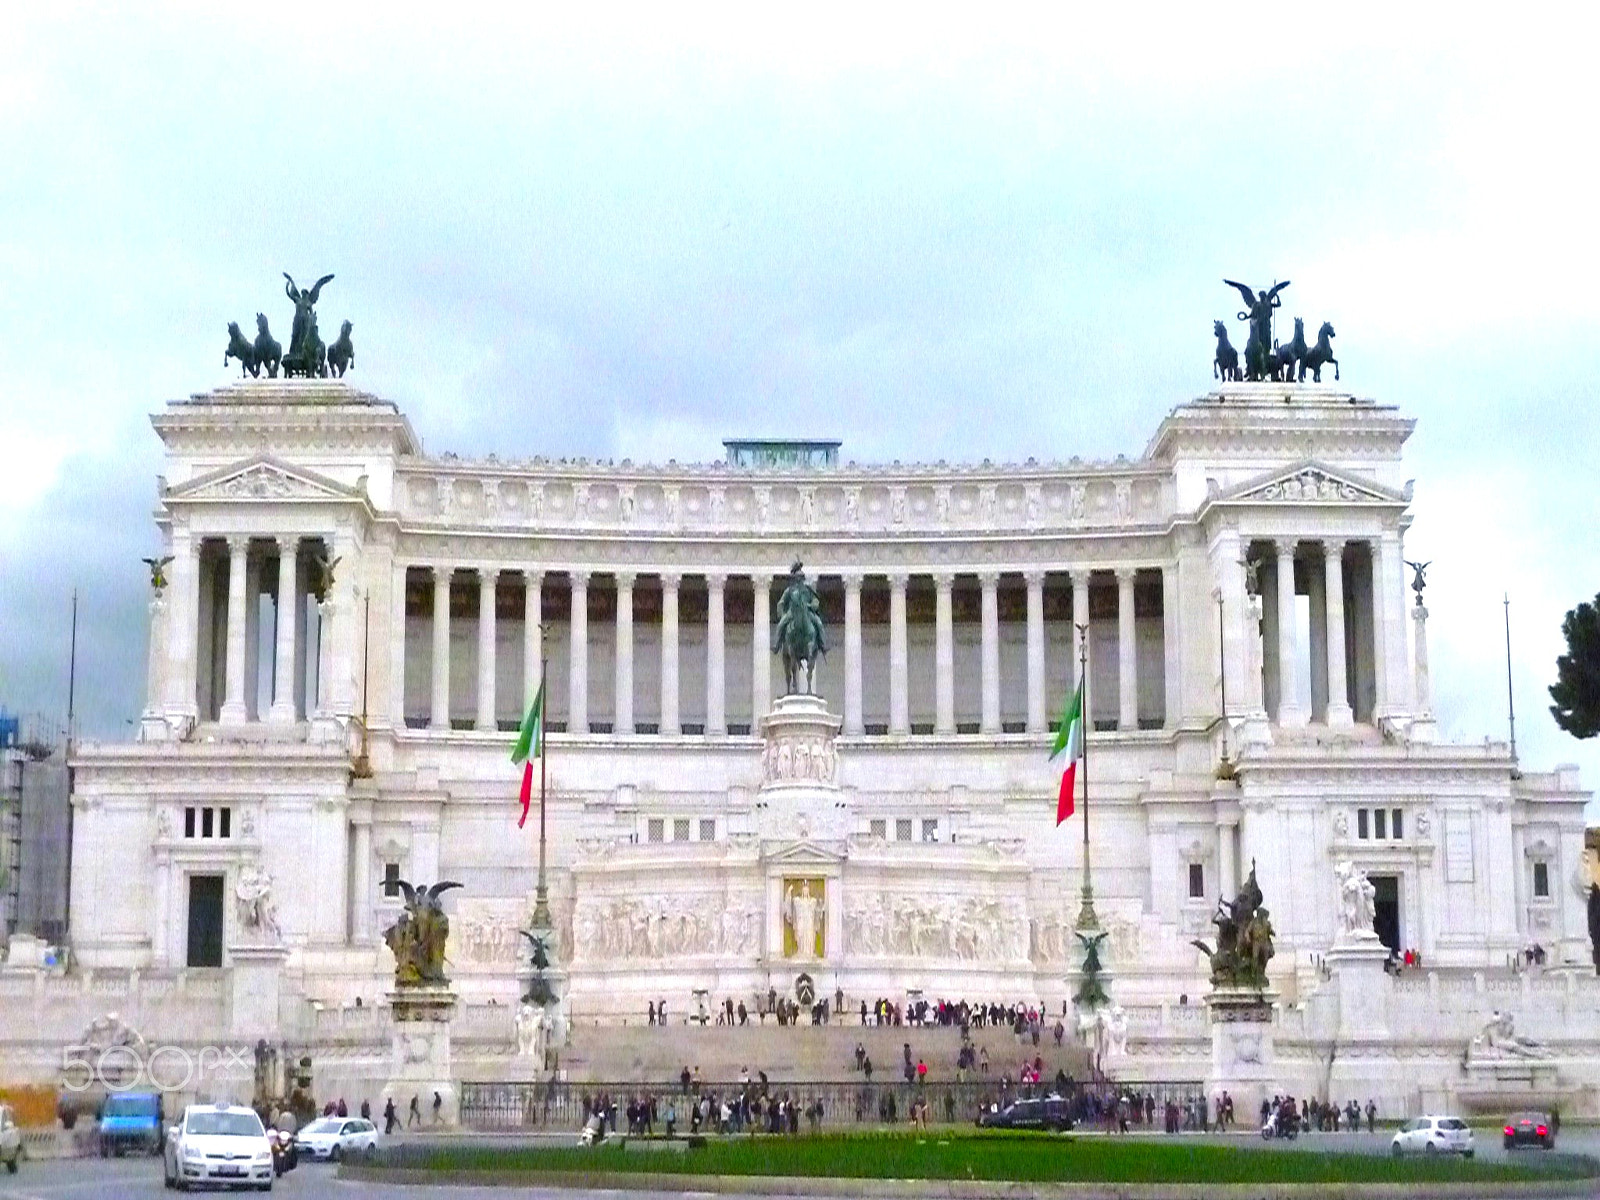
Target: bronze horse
268, 353
242, 350
1225, 366
1320, 355
1287, 358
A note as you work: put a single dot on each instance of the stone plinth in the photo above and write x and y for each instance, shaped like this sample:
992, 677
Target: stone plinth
800, 797
257, 970
1363, 986
1242, 1059
419, 1052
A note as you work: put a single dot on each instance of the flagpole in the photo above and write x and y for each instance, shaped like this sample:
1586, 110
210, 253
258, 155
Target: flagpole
1086, 914
541, 902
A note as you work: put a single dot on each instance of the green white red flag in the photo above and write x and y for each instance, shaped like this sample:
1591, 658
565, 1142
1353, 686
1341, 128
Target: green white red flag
530, 745
1069, 739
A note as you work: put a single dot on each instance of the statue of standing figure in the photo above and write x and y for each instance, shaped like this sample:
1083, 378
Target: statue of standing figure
1357, 899
805, 918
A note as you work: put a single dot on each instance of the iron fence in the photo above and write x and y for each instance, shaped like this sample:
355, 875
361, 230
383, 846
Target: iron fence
837, 1104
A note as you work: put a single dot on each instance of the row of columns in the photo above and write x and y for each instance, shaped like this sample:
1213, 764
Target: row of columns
761, 649
234, 710
1290, 710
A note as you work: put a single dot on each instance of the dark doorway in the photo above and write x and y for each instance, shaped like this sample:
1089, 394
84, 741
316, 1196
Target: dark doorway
1386, 910
205, 920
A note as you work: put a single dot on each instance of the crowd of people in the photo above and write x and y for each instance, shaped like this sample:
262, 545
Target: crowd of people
748, 1108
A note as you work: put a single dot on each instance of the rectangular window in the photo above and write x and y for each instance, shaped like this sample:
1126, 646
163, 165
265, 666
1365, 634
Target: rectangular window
224, 822
188, 822
680, 829
1395, 828
655, 830
902, 829
1380, 819
1197, 881
1361, 823
391, 880
205, 921
930, 829
878, 828
207, 822
1541, 880
708, 829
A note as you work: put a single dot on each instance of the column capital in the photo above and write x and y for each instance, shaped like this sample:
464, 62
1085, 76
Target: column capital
716, 579
852, 580
1033, 577
1126, 575
238, 543
944, 580
533, 576
579, 578
488, 574
1333, 547
1080, 577
898, 579
1285, 547
287, 541
442, 572
624, 579
670, 579
989, 579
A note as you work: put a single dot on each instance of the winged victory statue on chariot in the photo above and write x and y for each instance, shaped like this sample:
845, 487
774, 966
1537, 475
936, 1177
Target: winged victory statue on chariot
1265, 360
308, 356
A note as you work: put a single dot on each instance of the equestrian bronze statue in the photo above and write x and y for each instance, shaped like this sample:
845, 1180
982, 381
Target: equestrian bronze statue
800, 640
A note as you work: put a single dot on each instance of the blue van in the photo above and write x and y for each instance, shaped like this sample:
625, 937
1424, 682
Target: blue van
131, 1121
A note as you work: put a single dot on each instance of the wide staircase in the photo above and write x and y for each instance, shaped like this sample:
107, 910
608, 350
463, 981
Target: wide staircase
800, 1053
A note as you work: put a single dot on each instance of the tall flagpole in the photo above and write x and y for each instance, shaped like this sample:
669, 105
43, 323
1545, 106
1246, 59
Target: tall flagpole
541, 902
1086, 914
1511, 700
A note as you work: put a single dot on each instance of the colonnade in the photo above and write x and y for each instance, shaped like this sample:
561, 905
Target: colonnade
1037, 686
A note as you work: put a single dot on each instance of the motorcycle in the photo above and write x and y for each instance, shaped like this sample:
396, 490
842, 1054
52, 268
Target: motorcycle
1274, 1128
285, 1154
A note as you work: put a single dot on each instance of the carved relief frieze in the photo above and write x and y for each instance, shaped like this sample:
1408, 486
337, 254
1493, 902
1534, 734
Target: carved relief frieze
608, 928
980, 928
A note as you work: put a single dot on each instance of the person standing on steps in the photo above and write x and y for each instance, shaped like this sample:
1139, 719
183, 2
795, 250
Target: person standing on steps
414, 1114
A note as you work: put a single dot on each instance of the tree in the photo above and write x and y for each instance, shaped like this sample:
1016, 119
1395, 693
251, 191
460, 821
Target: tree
1576, 691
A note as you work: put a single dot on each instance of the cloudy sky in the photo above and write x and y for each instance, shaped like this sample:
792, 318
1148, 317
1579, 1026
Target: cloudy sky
634, 234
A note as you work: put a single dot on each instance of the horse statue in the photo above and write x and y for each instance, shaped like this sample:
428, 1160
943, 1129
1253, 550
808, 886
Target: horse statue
268, 353
1287, 358
800, 640
242, 350
1320, 355
342, 354
1225, 366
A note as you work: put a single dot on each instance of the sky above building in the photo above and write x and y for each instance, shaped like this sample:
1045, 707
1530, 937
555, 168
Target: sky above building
932, 232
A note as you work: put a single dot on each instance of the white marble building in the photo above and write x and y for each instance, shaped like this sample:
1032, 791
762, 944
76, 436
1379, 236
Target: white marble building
951, 594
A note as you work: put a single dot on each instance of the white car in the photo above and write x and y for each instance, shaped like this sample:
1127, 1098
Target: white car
218, 1144
333, 1138
1433, 1135
10, 1139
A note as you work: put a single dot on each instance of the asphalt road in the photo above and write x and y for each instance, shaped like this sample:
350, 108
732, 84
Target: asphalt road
114, 1179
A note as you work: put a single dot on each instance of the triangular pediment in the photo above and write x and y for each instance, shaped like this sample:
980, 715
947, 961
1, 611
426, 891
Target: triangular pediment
262, 478
1311, 482
804, 854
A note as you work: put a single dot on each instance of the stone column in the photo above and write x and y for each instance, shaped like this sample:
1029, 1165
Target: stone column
1339, 712
361, 885
532, 635
488, 579
989, 581
669, 654
899, 664
716, 656
761, 648
622, 677
578, 673
439, 717
283, 705
1290, 711
1389, 611
1422, 724
1171, 649
1080, 627
1227, 864
182, 596
1036, 683
853, 723
944, 686
233, 709
1127, 653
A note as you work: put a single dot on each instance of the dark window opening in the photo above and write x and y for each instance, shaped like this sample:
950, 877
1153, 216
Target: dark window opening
1197, 881
1541, 880
1380, 821
225, 822
188, 822
1361, 823
208, 822
391, 879
205, 920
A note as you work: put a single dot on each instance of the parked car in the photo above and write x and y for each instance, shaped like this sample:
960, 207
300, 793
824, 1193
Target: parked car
1530, 1129
1046, 1112
218, 1144
333, 1138
10, 1139
1433, 1135
131, 1121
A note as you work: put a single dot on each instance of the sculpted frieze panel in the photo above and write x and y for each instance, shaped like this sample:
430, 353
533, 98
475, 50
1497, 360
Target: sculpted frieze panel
965, 928
663, 926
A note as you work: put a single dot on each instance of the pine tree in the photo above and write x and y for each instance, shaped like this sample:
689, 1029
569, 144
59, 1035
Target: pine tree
1576, 691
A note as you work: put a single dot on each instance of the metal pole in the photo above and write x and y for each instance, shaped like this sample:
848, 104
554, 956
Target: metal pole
1511, 703
1086, 914
72, 669
541, 902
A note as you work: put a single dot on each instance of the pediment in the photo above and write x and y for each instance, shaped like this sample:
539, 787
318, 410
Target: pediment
805, 854
1311, 482
262, 478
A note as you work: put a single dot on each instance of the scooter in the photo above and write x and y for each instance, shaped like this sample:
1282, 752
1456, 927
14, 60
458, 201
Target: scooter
1273, 1128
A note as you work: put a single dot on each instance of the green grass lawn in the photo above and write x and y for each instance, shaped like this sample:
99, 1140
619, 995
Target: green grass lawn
991, 1157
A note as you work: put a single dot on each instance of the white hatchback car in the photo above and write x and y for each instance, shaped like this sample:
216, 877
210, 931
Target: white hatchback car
1433, 1135
218, 1144
333, 1138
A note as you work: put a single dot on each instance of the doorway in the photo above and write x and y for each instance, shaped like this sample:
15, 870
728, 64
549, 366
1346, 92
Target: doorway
1386, 910
205, 921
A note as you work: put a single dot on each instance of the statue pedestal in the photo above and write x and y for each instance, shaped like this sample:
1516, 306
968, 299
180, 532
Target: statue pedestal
800, 798
1242, 1059
419, 1052
1356, 961
254, 978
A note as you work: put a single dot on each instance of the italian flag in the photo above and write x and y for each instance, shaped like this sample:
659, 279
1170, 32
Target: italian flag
1070, 739
530, 745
